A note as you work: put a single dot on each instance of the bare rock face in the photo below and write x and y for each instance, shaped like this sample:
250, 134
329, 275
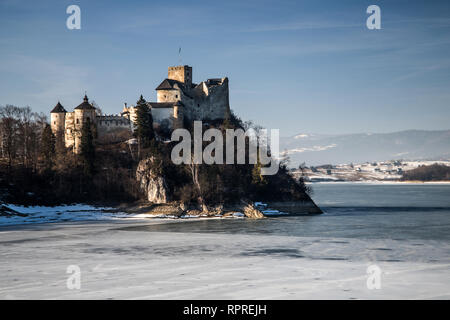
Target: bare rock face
152, 183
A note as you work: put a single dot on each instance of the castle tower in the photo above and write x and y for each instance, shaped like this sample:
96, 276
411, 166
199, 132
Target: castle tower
81, 113
57, 119
182, 74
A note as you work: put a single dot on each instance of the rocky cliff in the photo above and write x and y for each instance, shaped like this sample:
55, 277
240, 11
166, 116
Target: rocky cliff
154, 185
151, 182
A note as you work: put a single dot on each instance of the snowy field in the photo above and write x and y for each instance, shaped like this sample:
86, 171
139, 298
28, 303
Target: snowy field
78, 212
137, 259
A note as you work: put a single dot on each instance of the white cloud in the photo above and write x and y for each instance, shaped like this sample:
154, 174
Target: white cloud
300, 136
313, 148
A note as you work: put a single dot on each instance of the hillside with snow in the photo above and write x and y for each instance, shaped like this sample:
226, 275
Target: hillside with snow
318, 149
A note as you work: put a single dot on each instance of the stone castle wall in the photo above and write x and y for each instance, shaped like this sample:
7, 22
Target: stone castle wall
209, 102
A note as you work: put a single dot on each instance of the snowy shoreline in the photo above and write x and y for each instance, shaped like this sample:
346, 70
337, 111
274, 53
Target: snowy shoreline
26, 215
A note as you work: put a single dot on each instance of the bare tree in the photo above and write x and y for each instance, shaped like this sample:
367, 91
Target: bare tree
20, 131
98, 110
9, 124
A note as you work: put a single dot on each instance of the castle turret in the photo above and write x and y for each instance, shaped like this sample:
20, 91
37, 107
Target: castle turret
57, 119
182, 74
82, 113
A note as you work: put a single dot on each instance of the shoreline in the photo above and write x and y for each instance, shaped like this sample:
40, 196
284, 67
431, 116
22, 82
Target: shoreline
99, 215
375, 182
11, 214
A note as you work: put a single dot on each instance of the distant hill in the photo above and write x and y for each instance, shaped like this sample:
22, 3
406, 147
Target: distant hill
317, 149
435, 172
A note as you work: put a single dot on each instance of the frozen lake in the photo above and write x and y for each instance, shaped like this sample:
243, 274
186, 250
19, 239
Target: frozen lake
402, 229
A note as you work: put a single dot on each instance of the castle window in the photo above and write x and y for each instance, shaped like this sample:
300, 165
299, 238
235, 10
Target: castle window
54, 122
78, 121
176, 96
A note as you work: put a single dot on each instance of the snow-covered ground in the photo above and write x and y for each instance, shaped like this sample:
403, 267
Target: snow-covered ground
140, 260
77, 212
83, 212
375, 171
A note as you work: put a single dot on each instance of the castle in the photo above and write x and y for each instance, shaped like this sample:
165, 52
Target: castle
178, 99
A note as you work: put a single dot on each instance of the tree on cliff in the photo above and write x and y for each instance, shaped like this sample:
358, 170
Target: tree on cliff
48, 146
87, 149
257, 177
144, 125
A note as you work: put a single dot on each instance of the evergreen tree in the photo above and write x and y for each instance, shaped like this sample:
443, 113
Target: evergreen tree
48, 146
87, 149
144, 124
257, 177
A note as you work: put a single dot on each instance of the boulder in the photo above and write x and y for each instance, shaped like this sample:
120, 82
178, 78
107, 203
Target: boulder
250, 211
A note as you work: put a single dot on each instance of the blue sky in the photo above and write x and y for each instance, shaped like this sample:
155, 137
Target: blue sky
300, 66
